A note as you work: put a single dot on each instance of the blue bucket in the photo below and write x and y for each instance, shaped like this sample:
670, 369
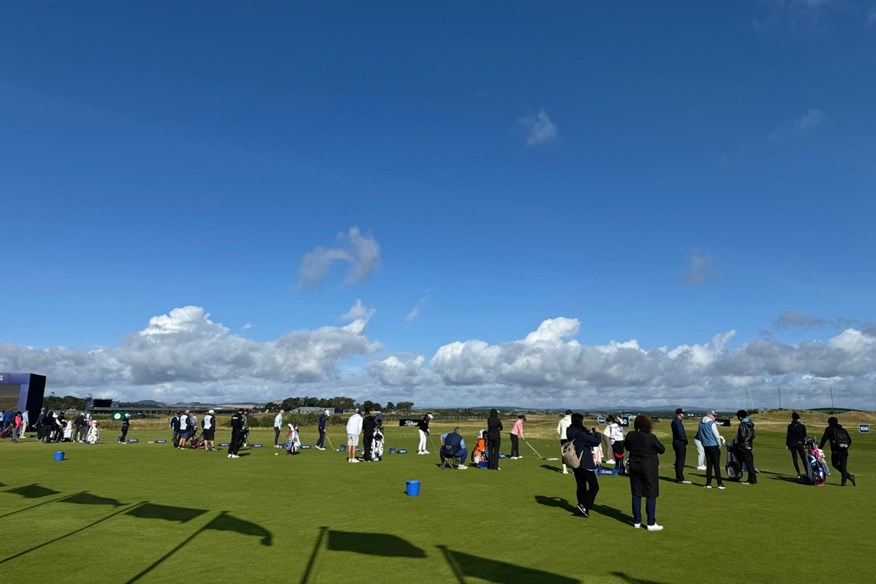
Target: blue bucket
412, 488
59, 456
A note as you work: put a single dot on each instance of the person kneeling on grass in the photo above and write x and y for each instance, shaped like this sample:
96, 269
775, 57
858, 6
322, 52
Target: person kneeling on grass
453, 446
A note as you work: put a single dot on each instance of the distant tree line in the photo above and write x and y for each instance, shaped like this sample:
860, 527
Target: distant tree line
346, 403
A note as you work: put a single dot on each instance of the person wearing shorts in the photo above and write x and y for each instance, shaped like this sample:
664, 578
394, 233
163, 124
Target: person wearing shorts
354, 428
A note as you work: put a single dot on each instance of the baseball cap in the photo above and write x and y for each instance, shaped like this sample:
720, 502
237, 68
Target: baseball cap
711, 413
679, 411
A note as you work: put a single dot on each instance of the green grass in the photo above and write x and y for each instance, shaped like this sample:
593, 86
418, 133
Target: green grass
150, 513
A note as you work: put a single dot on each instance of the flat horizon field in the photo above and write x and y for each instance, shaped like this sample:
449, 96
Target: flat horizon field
146, 512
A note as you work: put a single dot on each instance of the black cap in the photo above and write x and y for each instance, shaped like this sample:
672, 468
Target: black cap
678, 411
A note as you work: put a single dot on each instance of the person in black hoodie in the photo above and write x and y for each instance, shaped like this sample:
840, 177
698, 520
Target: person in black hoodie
368, 425
840, 441
794, 440
237, 433
494, 439
585, 475
745, 446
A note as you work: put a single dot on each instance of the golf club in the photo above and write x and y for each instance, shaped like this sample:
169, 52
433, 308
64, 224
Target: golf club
536, 451
432, 442
327, 437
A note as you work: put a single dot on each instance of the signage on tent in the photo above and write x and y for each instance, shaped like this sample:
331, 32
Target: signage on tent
864, 428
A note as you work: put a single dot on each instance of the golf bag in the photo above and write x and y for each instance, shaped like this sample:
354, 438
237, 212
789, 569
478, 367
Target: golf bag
198, 442
7, 432
293, 441
733, 466
816, 467
93, 436
377, 445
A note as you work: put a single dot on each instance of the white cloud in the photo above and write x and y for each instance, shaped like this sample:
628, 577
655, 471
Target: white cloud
185, 355
700, 268
809, 121
360, 252
415, 311
540, 130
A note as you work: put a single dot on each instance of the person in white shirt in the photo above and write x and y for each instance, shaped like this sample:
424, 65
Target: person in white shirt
354, 428
278, 425
615, 434
564, 424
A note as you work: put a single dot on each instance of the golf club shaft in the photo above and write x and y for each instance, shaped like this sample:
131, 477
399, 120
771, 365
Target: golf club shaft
533, 448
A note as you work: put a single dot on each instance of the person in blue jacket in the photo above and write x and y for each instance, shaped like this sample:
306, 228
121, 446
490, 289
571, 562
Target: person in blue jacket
585, 475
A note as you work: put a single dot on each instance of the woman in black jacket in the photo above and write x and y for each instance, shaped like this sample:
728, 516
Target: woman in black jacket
494, 439
644, 447
585, 475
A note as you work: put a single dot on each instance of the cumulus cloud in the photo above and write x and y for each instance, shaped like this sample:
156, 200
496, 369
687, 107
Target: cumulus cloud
700, 268
540, 130
360, 252
791, 320
550, 367
187, 355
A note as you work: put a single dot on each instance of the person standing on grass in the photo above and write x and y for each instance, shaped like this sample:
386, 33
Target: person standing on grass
701, 451
516, 435
278, 425
615, 434
745, 443
354, 428
562, 428
17, 429
795, 438
184, 429
585, 475
712, 441
368, 426
494, 439
644, 447
126, 422
679, 446
209, 430
423, 429
840, 442
237, 422
321, 425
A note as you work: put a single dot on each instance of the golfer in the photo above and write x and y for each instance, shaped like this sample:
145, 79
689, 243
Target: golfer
795, 438
423, 429
711, 439
644, 447
278, 425
516, 434
840, 442
679, 446
323, 422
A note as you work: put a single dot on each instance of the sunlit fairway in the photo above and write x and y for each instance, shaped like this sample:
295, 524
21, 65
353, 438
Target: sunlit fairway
145, 512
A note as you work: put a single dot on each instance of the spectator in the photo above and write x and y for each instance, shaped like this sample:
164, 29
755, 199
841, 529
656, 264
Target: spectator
354, 428
237, 422
453, 446
494, 439
840, 442
368, 426
712, 441
562, 427
209, 433
745, 446
679, 446
278, 425
585, 475
795, 439
644, 447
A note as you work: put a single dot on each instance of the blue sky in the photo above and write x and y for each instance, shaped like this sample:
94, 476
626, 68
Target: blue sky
578, 204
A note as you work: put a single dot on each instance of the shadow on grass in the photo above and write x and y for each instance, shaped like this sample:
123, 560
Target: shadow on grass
632, 580
558, 502
552, 467
465, 565
613, 513
373, 544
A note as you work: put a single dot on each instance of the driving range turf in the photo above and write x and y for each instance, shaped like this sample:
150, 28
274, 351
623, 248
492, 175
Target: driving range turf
146, 512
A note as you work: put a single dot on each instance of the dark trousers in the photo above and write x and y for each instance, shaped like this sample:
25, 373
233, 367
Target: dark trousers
713, 464
321, 440
797, 450
839, 460
175, 438
368, 443
587, 485
746, 457
236, 442
515, 445
124, 435
493, 452
650, 509
617, 449
276, 435
680, 449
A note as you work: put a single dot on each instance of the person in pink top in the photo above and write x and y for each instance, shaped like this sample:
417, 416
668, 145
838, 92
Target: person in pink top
516, 434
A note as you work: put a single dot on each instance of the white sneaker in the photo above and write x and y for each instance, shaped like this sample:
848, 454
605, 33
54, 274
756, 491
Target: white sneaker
513, 458
701, 468
353, 460
654, 527
637, 525
425, 452
462, 467
229, 456
710, 486
565, 471
235, 456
